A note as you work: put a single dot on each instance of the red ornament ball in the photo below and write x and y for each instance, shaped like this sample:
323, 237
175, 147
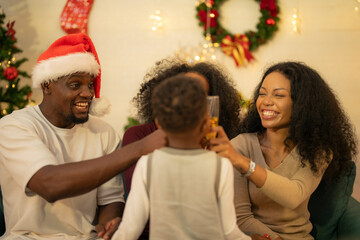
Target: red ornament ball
11, 73
270, 21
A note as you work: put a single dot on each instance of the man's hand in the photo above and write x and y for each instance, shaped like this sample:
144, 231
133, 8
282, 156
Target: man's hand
106, 231
153, 141
109, 219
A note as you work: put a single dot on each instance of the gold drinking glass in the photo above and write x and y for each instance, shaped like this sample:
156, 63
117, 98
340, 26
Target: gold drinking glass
213, 105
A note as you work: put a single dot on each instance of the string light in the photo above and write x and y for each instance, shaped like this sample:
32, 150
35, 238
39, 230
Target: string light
208, 37
357, 6
205, 50
4, 64
4, 112
157, 23
295, 21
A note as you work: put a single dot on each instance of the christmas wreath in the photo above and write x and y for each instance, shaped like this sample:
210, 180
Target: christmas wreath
238, 45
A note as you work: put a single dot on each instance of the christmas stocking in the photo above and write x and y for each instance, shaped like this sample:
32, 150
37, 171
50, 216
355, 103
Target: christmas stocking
74, 17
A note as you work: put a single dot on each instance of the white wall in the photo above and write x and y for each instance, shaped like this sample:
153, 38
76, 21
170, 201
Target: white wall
127, 48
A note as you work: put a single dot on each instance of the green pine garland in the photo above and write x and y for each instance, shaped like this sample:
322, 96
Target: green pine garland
266, 27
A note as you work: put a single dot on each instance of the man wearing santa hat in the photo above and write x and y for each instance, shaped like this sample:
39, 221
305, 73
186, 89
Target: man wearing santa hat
59, 167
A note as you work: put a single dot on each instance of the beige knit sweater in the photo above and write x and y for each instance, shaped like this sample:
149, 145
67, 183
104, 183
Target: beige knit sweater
279, 208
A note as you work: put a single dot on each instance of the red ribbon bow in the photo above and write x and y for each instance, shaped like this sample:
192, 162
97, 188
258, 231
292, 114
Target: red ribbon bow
238, 48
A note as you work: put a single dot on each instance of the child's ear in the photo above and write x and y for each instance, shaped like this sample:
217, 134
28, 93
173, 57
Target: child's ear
205, 124
157, 123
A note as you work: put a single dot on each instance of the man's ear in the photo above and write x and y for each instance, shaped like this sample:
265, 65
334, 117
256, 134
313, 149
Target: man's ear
157, 123
45, 87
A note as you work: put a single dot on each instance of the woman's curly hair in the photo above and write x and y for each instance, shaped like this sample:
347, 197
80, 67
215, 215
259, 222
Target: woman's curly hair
219, 82
318, 125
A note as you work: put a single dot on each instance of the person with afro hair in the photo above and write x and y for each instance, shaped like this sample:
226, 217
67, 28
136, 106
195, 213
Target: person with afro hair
186, 190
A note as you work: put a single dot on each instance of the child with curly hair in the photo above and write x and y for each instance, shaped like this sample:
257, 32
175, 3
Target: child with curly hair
185, 190
216, 83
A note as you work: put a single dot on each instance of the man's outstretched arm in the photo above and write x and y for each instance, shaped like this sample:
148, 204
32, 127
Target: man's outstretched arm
54, 182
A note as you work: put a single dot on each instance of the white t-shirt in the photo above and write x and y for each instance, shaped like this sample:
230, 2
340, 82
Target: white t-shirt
183, 201
29, 142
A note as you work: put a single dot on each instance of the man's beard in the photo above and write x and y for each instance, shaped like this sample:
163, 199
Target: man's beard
76, 120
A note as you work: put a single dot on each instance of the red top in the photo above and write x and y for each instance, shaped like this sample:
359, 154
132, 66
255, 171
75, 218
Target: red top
134, 134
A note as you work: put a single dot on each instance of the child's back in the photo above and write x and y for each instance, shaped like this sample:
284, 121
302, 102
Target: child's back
185, 190
183, 194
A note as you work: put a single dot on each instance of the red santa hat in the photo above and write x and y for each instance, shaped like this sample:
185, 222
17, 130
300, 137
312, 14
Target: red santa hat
67, 55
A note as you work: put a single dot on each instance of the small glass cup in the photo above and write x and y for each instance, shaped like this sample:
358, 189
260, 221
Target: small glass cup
213, 106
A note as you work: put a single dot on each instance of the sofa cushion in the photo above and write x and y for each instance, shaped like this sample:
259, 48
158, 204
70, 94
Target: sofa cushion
328, 203
2, 220
349, 224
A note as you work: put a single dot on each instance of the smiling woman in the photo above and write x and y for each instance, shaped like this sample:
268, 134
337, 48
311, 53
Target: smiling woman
294, 133
274, 103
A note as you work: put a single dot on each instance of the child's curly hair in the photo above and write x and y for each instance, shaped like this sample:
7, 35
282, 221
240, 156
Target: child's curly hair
179, 103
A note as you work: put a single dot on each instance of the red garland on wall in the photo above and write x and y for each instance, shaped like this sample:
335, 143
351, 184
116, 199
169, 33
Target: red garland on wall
240, 45
74, 17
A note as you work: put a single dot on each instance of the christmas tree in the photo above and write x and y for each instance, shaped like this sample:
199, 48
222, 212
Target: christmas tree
12, 96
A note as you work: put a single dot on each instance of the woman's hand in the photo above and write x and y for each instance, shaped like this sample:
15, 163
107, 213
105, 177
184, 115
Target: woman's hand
222, 146
259, 237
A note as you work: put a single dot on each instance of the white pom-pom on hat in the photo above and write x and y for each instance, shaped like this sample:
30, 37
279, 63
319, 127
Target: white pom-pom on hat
100, 106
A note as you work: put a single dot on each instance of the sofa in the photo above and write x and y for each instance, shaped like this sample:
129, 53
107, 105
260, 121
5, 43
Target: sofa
335, 215
2, 220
